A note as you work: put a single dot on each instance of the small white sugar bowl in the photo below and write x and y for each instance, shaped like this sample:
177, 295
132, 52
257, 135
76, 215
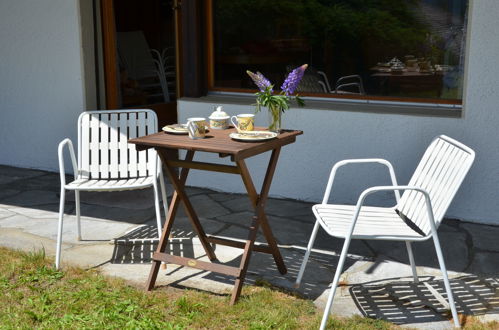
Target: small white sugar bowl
219, 119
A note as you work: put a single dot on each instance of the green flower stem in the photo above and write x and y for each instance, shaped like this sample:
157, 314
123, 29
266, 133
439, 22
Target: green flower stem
275, 113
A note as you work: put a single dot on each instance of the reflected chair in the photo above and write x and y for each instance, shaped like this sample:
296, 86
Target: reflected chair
351, 84
107, 162
415, 217
315, 81
149, 67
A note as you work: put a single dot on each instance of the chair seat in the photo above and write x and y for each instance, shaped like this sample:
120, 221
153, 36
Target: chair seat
110, 184
373, 222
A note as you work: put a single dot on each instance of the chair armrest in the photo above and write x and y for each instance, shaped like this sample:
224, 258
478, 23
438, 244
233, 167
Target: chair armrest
396, 188
359, 161
60, 151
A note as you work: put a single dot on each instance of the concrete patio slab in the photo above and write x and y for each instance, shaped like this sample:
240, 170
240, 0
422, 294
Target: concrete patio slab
119, 237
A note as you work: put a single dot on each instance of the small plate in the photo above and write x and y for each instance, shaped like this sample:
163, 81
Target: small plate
253, 136
176, 129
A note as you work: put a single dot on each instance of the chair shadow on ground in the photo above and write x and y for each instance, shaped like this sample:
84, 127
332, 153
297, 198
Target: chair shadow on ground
397, 300
401, 301
138, 245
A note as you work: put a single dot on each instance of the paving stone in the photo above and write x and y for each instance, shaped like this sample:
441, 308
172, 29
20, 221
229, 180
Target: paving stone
192, 191
485, 263
287, 208
392, 249
4, 213
32, 198
45, 211
241, 219
182, 227
17, 173
381, 269
289, 231
223, 197
484, 237
16, 239
6, 193
296, 233
28, 220
136, 216
237, 232
129, 199
4, 179
48, 181
454, 247
88, 256
205, 207
449, 226
238, 204
92, 229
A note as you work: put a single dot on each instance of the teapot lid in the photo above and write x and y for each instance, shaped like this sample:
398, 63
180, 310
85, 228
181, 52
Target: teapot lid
219, 113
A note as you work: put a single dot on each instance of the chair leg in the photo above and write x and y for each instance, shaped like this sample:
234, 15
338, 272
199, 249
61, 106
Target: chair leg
78, 213
450, 297
307, 254
334, 285
411, 260
156, 207
163, 192
59, 230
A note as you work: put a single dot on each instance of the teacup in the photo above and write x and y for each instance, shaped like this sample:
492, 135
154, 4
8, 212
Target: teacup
196, 127
243, 122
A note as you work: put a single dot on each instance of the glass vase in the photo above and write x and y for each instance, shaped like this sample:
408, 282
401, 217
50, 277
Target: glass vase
275, 119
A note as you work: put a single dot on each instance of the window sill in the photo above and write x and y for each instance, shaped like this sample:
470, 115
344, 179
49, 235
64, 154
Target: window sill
367, 106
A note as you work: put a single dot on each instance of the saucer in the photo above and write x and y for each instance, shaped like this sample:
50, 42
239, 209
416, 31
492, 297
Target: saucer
252, 136
176, 129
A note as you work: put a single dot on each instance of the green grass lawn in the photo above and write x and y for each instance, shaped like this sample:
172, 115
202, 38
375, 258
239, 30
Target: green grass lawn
34, 295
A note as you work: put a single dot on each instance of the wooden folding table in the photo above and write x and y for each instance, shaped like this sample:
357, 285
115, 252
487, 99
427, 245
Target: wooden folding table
219, 142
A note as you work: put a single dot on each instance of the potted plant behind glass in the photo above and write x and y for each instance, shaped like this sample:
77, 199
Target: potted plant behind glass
277, 103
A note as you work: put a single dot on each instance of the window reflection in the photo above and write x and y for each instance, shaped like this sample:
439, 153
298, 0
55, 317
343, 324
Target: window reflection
391, 48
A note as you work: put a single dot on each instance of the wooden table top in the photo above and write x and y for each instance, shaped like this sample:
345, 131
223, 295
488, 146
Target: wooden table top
216, 141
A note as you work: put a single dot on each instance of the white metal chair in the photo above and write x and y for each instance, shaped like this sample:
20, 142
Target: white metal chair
107, 162
416, 216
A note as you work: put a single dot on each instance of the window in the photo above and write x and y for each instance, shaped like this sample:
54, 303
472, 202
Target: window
404, 50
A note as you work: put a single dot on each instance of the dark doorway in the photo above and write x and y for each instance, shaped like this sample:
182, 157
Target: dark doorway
140, 56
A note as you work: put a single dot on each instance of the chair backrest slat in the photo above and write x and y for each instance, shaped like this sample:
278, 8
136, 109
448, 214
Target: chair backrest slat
104, 151
151, 153
142, 161
114, 146
132, 153
123, 145
94, 146
104, 146
440, 172
84, 148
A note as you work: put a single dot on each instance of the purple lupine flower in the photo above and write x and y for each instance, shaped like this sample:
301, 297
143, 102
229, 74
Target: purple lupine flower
260, 80
293, 80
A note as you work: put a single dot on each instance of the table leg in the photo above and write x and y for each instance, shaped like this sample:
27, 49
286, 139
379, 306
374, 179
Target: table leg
260, 218
248, 247
172, 211
267, 231
189, 210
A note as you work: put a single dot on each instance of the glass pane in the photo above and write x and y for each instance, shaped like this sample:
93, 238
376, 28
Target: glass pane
146, 53
392, 48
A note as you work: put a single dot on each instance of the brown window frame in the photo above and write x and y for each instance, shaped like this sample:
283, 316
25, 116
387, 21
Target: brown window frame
210, 75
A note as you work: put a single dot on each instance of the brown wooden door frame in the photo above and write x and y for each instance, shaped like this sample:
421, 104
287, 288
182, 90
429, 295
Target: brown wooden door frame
178, 48
110, 55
